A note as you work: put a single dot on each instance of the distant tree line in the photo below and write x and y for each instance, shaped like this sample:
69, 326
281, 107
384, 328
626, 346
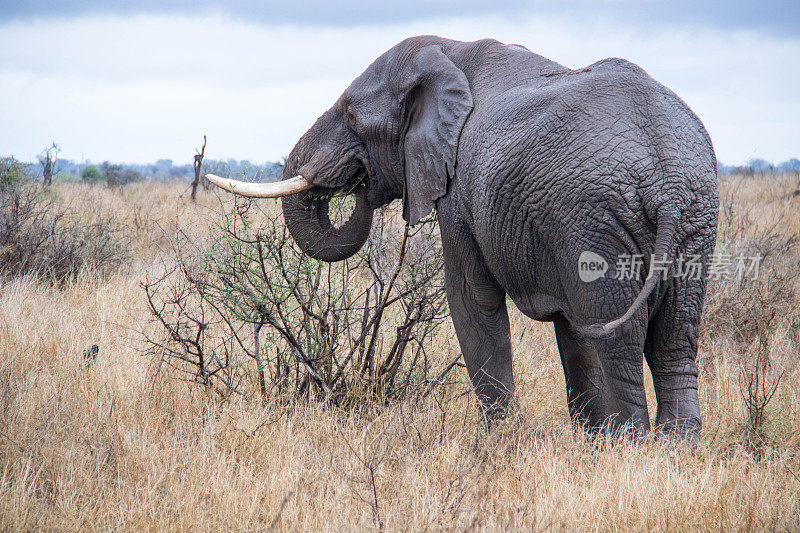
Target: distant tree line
761, 166
49, 167
162, 170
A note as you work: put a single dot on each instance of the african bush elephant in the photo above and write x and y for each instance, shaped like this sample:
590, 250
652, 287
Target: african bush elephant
532, 168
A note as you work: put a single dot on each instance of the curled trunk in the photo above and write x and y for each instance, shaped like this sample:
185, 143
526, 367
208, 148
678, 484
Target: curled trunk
307, 217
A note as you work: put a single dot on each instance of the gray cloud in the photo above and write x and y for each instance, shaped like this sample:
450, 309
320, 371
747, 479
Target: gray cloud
772, 16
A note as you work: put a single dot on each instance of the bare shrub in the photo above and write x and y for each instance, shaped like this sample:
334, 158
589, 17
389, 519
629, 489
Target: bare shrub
245, 307
748, 312
758, 381
736, 305
41, 237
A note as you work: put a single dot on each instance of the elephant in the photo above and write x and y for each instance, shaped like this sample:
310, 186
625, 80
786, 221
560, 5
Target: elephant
531, 168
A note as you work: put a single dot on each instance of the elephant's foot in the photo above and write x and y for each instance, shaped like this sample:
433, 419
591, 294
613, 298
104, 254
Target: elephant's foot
672, 428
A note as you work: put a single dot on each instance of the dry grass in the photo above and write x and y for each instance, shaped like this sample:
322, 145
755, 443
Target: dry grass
121, 446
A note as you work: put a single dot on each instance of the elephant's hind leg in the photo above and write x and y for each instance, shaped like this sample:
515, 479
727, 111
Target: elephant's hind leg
670, 350
605, 385
584, 377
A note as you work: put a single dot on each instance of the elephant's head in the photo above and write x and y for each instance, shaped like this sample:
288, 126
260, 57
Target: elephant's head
392, 134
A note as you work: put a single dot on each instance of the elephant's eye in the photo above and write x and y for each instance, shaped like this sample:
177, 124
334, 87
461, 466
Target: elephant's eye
351, 115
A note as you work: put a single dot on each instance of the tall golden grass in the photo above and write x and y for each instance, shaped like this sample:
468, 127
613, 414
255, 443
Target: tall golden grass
121, 445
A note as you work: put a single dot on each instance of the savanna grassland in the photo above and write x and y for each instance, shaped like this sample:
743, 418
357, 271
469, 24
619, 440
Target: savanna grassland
125, 443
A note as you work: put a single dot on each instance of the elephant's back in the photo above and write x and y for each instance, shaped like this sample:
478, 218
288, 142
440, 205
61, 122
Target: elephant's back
580, 163
607, 128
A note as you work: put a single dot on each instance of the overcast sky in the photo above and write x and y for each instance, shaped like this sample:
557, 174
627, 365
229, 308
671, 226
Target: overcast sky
110, 82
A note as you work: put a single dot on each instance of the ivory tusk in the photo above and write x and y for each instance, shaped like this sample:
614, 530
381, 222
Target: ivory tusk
262, 190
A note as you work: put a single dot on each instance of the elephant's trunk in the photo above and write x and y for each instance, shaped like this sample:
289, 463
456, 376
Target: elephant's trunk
310, 225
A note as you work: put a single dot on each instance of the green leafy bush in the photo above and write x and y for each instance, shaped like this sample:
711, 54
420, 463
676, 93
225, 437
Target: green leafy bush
91, 174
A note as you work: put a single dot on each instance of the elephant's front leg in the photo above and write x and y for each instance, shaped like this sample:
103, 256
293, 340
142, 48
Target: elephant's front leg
478, 309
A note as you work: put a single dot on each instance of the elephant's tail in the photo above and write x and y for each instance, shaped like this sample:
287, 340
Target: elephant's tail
666, 226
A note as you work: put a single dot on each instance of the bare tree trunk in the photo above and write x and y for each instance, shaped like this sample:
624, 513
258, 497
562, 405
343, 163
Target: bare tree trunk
198, 164
48, 159
47, 172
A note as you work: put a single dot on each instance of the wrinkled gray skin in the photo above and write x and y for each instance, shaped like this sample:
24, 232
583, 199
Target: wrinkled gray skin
528, 164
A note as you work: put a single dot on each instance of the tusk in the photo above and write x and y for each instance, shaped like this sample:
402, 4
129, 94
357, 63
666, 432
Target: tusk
262, 190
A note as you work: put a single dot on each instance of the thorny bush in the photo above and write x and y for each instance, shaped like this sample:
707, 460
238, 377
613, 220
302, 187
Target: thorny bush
40, 236
244, 311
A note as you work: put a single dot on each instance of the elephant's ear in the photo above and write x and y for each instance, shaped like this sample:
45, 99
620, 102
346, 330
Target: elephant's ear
437, 101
